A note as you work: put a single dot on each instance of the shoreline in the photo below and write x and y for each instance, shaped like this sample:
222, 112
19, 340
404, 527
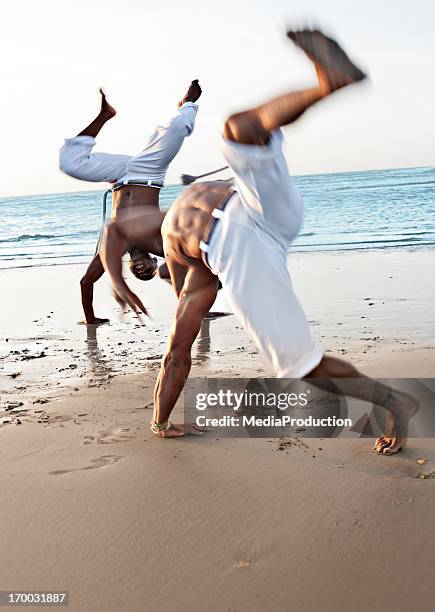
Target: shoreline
356, 305
413, 248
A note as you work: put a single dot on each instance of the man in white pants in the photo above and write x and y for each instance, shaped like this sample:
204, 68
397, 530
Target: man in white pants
137, 179
241, 235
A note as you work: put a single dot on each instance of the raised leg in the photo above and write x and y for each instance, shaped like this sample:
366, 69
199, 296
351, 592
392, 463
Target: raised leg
401, 407
193, 93
334, 70
106, 113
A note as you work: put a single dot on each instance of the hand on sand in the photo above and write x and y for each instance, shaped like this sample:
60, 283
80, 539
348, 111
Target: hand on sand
193, 93
106, 109
124, 296
389, 446
185, 429
212, 314
96, 321
401, 409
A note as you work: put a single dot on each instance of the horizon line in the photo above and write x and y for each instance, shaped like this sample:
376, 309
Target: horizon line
51, 193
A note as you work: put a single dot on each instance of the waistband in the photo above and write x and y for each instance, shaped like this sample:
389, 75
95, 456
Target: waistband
138, 183
216, 214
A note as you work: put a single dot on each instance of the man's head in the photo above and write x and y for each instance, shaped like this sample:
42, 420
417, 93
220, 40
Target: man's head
142, 265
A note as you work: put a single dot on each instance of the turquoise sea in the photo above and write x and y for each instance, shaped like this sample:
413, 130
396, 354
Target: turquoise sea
380, 209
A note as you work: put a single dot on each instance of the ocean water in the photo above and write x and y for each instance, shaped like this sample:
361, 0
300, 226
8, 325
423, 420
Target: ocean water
381, 209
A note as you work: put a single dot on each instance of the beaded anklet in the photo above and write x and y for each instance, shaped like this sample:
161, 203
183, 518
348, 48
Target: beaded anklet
159, 427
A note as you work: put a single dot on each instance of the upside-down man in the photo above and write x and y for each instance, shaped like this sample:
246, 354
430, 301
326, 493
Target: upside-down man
240, 235
137, 179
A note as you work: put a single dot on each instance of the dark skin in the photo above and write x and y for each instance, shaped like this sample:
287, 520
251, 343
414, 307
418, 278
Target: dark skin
195, 285
127, 198
140, 226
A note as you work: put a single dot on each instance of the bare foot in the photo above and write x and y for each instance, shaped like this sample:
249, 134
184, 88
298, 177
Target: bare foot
186, 429
192, 94
333, 66
401, 408
106, 110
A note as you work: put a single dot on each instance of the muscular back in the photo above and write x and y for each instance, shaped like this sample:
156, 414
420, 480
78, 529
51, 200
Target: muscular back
188, 218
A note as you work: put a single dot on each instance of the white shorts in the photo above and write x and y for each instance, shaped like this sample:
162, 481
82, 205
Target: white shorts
77, 159
248, 252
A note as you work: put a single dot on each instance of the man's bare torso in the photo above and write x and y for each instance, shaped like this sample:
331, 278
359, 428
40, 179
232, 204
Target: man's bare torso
130, 196
187, 220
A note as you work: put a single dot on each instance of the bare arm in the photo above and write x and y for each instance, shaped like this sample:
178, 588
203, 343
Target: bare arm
141, 228
112, 249
195, 299
94, 272
175, 277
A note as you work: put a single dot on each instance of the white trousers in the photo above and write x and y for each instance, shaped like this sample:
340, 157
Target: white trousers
248, 252
78, 160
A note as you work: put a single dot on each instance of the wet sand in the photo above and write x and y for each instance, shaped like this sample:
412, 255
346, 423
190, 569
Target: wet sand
359, 305
93, 504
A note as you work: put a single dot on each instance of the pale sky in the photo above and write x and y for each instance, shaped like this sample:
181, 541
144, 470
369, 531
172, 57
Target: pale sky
55, 54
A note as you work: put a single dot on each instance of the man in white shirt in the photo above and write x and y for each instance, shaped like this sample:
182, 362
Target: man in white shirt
136, 179
240, 234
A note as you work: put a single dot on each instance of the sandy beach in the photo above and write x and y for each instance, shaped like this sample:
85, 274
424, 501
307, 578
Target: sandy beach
92, 503
320, 116
360, 305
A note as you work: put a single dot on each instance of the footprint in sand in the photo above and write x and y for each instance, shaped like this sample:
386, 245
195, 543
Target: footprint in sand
112, 435
52, 419
99, 462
